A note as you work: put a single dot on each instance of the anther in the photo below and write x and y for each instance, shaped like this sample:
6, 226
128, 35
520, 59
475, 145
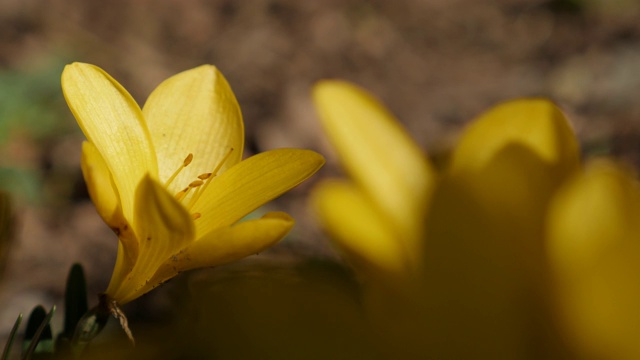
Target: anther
187, 160
196, 183
185, 163
208, 177
182, 193
195, 216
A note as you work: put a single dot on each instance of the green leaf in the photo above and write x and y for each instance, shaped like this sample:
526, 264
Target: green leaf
38, 314
38, 337
12, 335
75, 300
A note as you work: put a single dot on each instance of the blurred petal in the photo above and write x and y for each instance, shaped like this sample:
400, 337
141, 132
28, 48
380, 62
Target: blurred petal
513, 192
227, 244
515, 186
276, 311
511, 161
379, 155
113, 122
595, 254
474, 300
163, 227
366, 237
533, 123
102, 190
252, 183
194, 112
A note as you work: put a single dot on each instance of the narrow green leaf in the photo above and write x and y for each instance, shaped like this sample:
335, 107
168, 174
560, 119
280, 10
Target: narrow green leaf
37, 316
43, 332
12, 335
75, 300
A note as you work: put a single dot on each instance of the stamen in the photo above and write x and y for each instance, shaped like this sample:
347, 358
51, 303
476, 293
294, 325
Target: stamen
224, 159
187, 160
196, 183
208, 177
182, 193
197, 192
185, 163
196, 216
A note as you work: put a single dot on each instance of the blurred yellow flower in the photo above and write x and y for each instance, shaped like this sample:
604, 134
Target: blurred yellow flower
594, 252
168, 178
510, 251
377, 216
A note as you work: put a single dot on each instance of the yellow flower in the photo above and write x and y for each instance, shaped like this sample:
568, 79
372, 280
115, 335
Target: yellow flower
454, 263
377, 215
486, 276
169, 179
594, 251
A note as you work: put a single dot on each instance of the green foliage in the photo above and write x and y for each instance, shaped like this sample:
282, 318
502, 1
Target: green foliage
75, 306
26, 183
75, 300
32, 102
12, 336
32, 115
269, 310
38, 338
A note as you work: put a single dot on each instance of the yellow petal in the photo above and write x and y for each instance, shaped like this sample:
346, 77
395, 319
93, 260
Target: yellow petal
595, 254
534, 123
252, 183
366, 236
513, 192
379, 155
513, 158
514, 186
125, 260
227, 244
113, 122
100, 185
163, 227
194, 112
107, 202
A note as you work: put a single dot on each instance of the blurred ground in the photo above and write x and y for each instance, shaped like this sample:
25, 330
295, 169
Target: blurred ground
435, 63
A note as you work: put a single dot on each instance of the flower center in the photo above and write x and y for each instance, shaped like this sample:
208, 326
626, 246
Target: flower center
197, 186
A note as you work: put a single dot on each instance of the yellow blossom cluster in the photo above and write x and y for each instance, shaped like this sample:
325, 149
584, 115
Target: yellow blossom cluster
514, 249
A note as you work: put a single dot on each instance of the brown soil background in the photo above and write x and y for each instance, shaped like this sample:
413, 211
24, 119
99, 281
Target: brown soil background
435, 63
